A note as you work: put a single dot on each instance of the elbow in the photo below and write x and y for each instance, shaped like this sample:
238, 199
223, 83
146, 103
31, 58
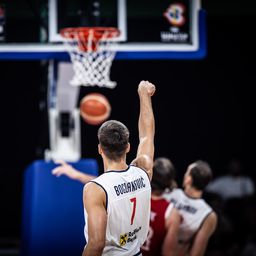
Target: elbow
97, 247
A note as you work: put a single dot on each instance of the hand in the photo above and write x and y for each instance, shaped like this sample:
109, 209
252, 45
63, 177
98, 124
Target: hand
146, 87
65, 169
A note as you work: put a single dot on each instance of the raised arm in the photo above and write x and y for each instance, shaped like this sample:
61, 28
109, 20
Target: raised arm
145, 152
203, 235
72, 173
94, 199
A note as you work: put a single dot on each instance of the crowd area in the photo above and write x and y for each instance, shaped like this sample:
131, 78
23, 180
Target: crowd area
232, 196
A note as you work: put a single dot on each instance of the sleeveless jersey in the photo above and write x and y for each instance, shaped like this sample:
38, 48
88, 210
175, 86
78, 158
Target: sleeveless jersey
128, 194
160, 210
193, 213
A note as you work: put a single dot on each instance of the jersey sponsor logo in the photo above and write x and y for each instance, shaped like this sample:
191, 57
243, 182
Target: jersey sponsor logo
184, 207
123, 239
129, 236
129, 186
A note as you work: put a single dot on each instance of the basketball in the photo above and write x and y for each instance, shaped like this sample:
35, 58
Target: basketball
95, 108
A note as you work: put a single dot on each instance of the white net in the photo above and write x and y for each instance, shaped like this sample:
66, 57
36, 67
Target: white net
92, 52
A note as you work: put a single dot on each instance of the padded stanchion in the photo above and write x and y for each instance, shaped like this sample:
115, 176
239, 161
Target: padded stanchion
52, 219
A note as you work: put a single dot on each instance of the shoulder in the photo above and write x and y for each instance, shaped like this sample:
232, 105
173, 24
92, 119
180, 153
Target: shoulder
169, 210
139, 169
95, 202
169, 196
172, 215
144, 162
210, 222
212, 217
94, 195
93, 190
104, 179
177, 191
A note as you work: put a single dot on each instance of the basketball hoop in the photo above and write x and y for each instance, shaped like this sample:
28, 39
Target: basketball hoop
91, 52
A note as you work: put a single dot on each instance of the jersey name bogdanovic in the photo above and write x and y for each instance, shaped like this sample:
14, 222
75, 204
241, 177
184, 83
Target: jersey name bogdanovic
128, 194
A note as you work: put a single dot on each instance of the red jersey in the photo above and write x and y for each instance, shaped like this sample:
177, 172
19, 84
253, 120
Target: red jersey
157, 229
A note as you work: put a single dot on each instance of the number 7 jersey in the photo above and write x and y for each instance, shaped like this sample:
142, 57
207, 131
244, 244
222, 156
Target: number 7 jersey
128, 195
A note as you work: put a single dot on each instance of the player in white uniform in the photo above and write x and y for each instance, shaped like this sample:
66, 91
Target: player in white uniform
128, 197
117, 203
198, 220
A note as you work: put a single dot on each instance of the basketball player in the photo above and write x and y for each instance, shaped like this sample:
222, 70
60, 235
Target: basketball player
164, 218
198, 219
117, 203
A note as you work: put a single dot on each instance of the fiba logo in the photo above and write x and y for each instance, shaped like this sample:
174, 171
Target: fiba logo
174, 14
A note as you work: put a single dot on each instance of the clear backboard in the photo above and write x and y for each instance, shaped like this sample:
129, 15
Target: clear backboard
149, 29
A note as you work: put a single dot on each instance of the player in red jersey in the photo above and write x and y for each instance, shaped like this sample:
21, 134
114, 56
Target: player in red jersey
164, 218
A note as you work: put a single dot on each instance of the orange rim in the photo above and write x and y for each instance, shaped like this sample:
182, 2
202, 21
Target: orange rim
83, 32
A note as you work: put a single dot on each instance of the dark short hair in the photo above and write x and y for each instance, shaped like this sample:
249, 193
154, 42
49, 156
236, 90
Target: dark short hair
114, 138
163, 174
201, 174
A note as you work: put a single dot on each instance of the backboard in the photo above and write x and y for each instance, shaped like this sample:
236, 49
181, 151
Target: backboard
166, 29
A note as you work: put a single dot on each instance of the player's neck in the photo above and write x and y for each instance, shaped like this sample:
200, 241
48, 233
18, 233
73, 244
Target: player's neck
193, 193
114, 166
156, 196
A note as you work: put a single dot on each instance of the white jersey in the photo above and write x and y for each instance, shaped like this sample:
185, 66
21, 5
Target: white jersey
128, 195
193, 213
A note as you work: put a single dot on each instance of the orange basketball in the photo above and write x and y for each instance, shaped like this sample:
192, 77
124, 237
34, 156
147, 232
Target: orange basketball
95, 108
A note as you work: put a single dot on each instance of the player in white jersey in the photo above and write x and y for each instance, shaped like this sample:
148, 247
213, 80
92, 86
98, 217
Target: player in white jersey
117, 203
198, 219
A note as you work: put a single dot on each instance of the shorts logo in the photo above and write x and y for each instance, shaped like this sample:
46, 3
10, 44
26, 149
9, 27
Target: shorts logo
123, 239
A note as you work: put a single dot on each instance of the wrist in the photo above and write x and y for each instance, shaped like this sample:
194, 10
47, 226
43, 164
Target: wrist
75, 173
144, 94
